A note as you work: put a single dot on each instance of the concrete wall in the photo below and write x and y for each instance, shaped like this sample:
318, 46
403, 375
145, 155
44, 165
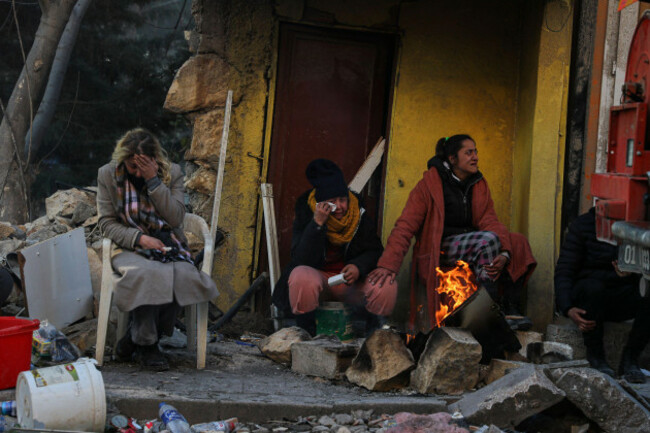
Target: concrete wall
490, 69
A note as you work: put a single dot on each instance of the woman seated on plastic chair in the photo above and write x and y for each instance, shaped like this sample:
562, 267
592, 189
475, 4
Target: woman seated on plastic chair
140, 201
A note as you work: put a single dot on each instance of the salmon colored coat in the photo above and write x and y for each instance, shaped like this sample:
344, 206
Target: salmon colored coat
423, 217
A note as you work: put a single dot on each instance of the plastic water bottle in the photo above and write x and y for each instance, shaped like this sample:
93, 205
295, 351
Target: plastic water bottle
3, 424
174, 421
8, 408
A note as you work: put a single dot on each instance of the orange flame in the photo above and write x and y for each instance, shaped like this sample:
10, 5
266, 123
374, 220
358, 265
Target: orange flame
455, 287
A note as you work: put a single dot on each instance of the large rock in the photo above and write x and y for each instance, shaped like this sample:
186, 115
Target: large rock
383, 362
277, 346
508, 401
602, 400
48, 232
525, 338
546, 352
82, 212
206, 137
37, 224
324, 356
9, 246
201, 83
202, 181
567, 333
6, 231
449, 363
64, 202
501, 367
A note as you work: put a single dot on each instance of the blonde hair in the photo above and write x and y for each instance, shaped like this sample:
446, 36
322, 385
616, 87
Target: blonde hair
142, 142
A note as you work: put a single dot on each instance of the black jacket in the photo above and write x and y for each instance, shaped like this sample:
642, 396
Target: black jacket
583, 256
458, 199
309, 245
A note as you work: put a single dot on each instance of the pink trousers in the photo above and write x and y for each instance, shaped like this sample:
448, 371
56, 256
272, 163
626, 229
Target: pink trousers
307, 285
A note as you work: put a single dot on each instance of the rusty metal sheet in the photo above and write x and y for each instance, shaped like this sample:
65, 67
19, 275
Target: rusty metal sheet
56, 278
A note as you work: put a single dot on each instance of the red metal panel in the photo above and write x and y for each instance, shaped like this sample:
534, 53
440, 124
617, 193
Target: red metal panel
627, 135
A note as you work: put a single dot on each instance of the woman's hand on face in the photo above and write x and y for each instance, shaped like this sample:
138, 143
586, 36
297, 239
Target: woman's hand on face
151, 243
322, 212
494, 269
350, 273
380, 276
147, 165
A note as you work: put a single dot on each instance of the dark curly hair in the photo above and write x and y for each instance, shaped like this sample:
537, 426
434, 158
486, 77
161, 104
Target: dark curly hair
449, 146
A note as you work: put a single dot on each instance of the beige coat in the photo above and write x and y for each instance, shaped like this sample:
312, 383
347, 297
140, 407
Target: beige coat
139, 281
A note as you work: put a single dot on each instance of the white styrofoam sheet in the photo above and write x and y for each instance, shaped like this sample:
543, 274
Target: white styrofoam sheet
57, 279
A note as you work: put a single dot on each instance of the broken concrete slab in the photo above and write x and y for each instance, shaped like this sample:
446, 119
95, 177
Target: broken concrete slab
63, 202
500, 367
324, 356
383, 362
277, 346
527, 337
602, 400
47, 232
449, 363
508, 401
547, 352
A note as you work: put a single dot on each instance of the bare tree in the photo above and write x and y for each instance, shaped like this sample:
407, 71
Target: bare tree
15, 176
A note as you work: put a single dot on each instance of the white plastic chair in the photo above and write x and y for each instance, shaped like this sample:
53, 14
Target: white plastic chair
196, 316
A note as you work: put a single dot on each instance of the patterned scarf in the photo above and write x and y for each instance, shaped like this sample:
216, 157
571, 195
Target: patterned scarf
136, 210
341, 232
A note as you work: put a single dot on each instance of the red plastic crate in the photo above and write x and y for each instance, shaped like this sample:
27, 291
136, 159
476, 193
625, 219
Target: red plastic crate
15, 348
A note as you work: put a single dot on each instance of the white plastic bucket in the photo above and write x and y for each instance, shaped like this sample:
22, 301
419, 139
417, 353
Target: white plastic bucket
65, 397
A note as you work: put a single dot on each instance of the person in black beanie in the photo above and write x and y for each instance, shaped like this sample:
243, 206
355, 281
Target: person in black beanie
332, 235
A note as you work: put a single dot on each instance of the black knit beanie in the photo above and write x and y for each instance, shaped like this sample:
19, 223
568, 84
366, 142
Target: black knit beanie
327, 178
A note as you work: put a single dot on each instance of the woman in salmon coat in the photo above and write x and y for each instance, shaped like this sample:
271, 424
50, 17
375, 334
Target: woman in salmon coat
450, 210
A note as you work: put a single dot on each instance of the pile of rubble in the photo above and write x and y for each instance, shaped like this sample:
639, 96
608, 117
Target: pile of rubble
506, 393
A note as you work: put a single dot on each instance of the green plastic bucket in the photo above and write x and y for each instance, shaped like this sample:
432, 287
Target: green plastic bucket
333, 318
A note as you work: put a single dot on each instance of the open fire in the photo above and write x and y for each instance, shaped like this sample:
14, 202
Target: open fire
454, 287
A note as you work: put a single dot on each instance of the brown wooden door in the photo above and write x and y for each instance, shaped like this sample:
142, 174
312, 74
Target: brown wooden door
332, 98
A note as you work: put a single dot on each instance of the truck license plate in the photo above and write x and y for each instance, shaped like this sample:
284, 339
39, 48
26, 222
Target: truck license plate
634, 258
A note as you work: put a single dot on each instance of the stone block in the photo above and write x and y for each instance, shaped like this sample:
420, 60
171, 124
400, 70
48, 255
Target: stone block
500, 367
449, 363
201, 83
547, 352
277, 346
206, 137
64, 202
324, 356
383, 362
82, 212
569, 334
506, 402
527, 337
602, 400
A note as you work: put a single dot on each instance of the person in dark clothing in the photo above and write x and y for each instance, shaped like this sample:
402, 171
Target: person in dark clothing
590, 290
6, 285
332, 235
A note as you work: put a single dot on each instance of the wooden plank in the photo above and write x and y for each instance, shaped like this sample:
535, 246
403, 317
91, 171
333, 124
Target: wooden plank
222, 162
271, 243
368, 167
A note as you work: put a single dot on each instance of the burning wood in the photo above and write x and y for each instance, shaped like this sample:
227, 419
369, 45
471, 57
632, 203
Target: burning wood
455, 287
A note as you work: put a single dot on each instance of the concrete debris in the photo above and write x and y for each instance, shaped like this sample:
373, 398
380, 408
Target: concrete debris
64, 202
441, 422
383, 362
6, 231
83, 335
500, 367
277, 346
567, 334
527, 337
47, 232
508, 401
9, 246
547, 352
602, 400
449, 363
324, 356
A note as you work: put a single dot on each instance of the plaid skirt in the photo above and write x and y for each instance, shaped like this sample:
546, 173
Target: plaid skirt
476, 248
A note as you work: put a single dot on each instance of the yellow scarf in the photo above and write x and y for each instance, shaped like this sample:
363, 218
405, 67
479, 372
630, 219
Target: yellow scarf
340, 232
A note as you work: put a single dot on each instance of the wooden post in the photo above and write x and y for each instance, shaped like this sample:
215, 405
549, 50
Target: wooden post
222, 162
271, 243
368, 167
